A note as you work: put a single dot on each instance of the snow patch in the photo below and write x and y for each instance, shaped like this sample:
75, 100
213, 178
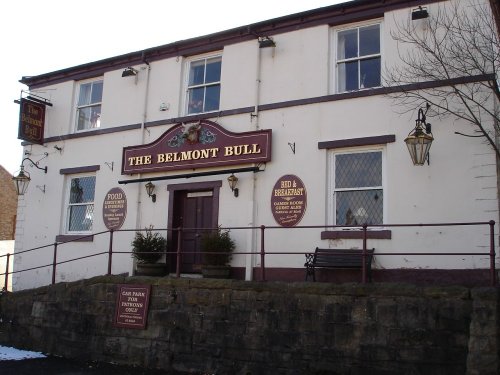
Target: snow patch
13, 354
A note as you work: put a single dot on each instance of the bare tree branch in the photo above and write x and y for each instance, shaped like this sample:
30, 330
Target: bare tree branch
459, 39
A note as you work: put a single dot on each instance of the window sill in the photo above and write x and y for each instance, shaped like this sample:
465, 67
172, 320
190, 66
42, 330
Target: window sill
356, 234
75, 238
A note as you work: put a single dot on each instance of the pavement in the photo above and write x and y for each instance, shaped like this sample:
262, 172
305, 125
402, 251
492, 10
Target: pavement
62, 366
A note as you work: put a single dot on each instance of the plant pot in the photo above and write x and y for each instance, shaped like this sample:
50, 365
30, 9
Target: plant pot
150, 269
216, 272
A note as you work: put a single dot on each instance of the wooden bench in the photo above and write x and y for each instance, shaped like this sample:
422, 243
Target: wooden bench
338, 258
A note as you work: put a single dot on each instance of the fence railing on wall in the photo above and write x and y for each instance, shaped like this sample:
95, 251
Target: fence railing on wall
262, 253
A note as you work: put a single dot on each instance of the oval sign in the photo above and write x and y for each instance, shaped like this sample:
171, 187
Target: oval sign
288, 200
114, 209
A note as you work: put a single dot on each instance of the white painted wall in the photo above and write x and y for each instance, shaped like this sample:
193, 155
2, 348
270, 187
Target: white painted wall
459, 184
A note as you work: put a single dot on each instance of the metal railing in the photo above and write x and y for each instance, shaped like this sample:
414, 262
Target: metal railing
262, 253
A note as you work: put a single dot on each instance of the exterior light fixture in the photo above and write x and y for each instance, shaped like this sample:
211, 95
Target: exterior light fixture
23, 179
419, 13
266, 42
150, 188
420, 139
233, 180
129, 72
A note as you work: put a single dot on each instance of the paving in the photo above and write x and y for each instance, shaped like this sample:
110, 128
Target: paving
61, 366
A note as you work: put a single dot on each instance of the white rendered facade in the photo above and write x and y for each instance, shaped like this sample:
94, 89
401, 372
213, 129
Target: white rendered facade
291, 89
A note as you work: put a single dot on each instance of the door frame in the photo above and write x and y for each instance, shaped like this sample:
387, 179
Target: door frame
214, 186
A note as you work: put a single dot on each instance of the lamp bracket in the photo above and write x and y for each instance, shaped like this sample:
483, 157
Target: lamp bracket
34, 164
41, 188
292, 146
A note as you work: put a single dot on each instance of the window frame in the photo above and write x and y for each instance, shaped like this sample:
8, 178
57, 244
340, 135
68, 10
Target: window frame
68, 204
89, 105
331, 199
188, 88
337, 61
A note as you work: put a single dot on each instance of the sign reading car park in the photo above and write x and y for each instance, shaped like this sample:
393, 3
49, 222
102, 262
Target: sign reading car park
132, 306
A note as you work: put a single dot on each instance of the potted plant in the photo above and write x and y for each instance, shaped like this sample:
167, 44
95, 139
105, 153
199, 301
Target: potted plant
217, 247
147, 249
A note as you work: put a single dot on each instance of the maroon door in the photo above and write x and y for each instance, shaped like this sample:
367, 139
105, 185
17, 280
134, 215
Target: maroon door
192, 211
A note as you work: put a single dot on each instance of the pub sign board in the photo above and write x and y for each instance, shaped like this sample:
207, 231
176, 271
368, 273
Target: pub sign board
132, 305
199, 144
114, 208
288, 200
31, 121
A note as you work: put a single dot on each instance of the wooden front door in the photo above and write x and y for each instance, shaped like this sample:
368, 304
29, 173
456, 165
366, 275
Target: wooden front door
193, 210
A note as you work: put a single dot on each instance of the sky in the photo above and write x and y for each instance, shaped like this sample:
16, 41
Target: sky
39, 37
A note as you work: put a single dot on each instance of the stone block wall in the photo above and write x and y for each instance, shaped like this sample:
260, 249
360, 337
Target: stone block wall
8, 202
236, 327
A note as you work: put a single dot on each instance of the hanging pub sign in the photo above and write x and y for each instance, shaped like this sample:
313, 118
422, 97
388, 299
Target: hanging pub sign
201, 144
114, 209
132, 306
288, 200
31, 121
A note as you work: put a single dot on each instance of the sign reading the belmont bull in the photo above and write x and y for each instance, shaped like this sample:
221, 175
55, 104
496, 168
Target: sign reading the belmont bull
197, 145
31, 121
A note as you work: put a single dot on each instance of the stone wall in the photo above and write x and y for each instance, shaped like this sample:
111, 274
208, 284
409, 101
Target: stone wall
8, 201
236, 327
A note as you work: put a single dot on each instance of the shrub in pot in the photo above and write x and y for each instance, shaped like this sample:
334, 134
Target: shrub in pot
217, 247
147, 249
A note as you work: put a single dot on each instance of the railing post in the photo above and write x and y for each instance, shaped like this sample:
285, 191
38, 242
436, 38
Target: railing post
178, 262
110, 251
54, 263
262, 254
363, 256
6, 284
493, 276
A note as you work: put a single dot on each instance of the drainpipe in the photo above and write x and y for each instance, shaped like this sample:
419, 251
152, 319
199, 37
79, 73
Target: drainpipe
251, 259
138, 221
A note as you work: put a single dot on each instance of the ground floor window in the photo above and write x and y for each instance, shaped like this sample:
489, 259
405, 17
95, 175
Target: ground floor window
80, 207
357, 194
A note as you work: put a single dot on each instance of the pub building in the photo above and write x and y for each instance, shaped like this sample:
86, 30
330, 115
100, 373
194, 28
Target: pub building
283, 128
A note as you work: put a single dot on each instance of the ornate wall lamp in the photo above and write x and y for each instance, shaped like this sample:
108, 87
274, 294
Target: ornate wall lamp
420, 139
23, 179
232, 181
150, 188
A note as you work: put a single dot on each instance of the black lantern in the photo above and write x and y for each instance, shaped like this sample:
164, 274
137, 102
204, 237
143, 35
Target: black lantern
23, 179
232, 181
150, 188
420, 139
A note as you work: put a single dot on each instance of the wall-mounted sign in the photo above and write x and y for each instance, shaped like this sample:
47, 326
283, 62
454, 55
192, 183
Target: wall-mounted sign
199, 144
288, 200
31, 121
132, 306
114, 209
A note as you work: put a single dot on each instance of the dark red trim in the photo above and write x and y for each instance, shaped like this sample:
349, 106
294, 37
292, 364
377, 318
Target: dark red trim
339, 14
86, 169
279, 105
356, 142
74, 238
356, 234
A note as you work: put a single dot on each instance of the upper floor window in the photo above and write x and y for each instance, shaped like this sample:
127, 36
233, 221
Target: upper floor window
358, 193
88, 112
80, 209
203, 87
358, 58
